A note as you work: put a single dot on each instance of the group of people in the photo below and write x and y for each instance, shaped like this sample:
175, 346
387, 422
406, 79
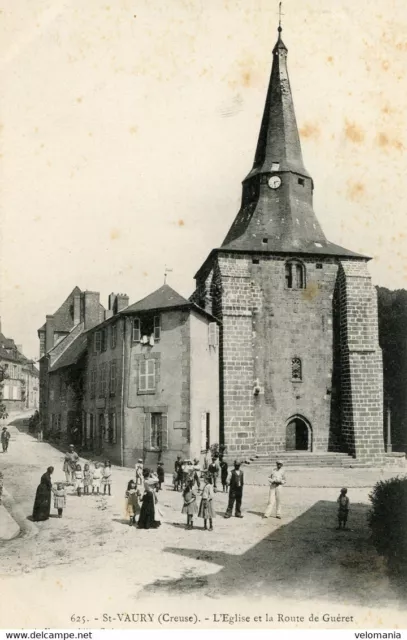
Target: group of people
141, 500
91, 478
186, 471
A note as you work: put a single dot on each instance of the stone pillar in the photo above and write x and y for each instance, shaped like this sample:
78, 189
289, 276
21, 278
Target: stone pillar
361, 364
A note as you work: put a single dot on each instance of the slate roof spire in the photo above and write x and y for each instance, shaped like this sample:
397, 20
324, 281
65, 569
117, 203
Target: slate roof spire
277, 213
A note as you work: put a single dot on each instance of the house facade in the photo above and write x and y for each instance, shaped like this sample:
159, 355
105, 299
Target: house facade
20, 378
143, 382
153, 381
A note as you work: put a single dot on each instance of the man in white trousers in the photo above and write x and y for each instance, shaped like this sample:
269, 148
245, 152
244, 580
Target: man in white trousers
276, 480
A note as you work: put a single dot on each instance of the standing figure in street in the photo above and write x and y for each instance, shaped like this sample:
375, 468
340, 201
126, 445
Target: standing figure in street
87, 479
70, 462
42, 503
276, 481
78, 475
5, 438
223, 473
107, 478
139, 473
206, 508
59, 498
235, 491
189, 507
213, 470
160, 475
196, 473
343, 509
96, 478
148, 514
132, 495
178, 474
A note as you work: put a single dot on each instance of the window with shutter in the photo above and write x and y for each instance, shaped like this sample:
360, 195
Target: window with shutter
157, 327
146, 432
136, 330
113, 377
112, 428
98, 341
113, 336
147, 375
104, 339
155, 431
107, 429
164, 432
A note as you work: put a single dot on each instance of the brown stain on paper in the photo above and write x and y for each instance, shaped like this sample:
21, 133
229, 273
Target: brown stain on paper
114, 234
310, 131
355, 190
311, 291
353, 132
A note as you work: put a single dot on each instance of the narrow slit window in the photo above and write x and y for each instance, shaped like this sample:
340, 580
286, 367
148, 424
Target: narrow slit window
296, 370
301, 181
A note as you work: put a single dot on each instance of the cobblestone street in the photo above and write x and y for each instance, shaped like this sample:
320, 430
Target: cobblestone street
92, 554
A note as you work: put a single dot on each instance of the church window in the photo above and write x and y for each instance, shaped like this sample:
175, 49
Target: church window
256, 261
265, 240
296, 370
301, 181
294, 275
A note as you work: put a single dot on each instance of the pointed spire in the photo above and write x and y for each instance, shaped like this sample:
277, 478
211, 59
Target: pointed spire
279, 140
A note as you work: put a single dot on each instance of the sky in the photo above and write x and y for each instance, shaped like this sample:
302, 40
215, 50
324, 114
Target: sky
127, 127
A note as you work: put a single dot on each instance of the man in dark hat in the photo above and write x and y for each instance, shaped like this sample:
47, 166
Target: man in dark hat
235, 491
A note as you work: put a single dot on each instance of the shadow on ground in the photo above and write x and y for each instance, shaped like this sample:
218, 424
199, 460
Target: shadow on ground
305, 559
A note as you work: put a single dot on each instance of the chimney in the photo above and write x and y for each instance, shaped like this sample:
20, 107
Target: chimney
91, 309
108, 314
49, 333
76, 310
112, 301
122, 301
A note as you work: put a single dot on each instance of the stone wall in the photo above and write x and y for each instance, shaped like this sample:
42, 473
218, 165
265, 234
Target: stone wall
361, 364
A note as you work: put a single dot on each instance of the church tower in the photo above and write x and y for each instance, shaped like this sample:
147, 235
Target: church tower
300, 362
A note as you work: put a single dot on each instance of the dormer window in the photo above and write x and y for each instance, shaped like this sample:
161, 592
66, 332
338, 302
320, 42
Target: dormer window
294, 275
147, 328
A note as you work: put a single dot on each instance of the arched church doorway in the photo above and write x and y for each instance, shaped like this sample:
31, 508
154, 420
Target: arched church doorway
298, 435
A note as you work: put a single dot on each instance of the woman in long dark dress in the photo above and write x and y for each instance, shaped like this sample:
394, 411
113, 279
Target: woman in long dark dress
42, 503
147, 513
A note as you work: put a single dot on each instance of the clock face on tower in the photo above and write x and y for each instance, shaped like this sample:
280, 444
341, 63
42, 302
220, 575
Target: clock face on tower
274, 182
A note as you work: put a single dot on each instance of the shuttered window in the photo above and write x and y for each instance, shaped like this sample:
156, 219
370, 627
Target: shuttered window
157, 327
113, 336
112, 435
98, 341
147, 375
158, 431
136, 330
113, 378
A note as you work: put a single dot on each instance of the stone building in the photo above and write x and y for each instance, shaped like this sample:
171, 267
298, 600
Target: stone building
19, 377
133, 381
62, 363
153, 381
300, 363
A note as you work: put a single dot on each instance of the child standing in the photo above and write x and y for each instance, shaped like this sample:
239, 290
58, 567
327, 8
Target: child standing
343, 509
190, 507
78, 476
223, 473
107, 477
206, 510
87, 479
132, 502
59, 498
96, 478
160, 474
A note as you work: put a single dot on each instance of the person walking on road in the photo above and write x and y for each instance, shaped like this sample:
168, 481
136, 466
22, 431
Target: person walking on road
5, 438
42, 503
70, 461
276, 481
235, 491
